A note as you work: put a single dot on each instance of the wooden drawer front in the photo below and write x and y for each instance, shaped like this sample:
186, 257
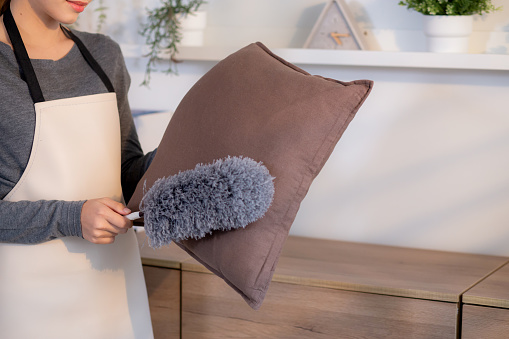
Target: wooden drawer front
210, 309
485, 322
163, 287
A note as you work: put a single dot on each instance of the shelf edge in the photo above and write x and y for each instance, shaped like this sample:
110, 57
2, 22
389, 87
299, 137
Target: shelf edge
424, 60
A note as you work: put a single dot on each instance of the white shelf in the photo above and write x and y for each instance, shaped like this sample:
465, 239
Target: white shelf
496, 62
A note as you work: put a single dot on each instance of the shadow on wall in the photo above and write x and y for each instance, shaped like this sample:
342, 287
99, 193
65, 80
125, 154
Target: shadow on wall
305, 25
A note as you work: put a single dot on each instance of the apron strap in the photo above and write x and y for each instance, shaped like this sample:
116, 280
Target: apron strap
89, 58
27, 72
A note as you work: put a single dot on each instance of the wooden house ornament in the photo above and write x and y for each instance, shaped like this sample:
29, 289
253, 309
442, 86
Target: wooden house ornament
335, 29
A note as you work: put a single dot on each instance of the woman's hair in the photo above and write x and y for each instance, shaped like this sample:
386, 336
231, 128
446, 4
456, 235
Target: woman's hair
3, 5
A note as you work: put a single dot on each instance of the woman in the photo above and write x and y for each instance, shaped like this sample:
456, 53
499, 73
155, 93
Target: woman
69, 155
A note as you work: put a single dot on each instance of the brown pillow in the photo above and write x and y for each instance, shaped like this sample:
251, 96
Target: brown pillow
255, 104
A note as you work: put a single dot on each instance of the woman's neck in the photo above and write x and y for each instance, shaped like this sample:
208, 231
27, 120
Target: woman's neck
41, 34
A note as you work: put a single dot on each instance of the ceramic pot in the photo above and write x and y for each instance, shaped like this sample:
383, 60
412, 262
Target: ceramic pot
448, 33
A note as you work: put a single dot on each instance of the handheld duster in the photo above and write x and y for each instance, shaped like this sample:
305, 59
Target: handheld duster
230, 193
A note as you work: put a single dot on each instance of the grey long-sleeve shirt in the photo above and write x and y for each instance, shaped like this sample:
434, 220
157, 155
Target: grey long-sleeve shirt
38, 221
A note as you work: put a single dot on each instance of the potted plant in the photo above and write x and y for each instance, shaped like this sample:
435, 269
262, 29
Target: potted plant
448, 24
163, 32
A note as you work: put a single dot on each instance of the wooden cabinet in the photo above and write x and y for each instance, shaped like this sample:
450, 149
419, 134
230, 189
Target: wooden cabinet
210, 309
322, 289
485, 322
163, 278
163, 287
486, 307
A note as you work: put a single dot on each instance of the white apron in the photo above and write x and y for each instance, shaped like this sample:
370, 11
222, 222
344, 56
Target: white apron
69, 287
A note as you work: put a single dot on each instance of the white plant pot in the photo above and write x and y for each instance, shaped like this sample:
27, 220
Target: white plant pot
193, 27
448, 33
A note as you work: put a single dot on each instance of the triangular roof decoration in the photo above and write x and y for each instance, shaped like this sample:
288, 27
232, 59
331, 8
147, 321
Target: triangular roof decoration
336, 29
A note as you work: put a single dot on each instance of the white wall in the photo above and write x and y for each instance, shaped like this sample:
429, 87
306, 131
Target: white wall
287, 23
425, 162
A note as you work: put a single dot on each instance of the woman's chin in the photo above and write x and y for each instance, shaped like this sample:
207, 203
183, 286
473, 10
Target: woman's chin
69, 19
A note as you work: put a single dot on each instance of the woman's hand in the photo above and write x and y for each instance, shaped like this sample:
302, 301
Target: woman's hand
103, 219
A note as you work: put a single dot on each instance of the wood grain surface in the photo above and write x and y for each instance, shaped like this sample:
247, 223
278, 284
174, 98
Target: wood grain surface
210, 309
492, 291
406, 272
485, 322
163, 287
332, 289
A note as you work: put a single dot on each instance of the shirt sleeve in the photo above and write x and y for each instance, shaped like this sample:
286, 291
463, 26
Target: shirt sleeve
32, 222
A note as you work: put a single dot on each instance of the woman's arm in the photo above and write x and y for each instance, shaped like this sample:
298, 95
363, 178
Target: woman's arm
134, 161
32, 222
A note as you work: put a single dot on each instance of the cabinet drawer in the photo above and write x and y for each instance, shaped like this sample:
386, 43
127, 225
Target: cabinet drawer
485, 322
163, 287
211, 309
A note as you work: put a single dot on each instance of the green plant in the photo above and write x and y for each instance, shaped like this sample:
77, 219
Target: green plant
450, 7
162, 32
101, 17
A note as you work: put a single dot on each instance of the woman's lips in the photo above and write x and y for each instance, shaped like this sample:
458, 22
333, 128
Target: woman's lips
78, 6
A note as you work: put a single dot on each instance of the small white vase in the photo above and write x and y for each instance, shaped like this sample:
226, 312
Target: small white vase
448, 33
193, 27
